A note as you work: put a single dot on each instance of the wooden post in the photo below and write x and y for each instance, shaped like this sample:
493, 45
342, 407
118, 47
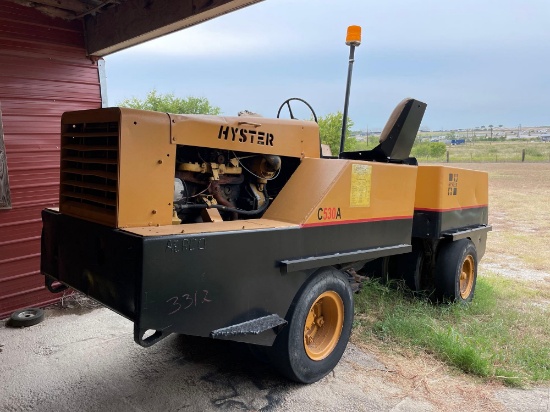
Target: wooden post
447, 156
523, 155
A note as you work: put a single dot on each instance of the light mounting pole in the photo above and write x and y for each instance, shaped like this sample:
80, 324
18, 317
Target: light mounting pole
353, 39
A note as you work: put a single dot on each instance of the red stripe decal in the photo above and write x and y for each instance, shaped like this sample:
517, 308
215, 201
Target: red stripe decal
425, 209
347, 222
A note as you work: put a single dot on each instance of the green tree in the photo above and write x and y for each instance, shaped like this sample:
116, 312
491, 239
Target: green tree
437, 149
169, 103
420, 149
428, 149
330, 129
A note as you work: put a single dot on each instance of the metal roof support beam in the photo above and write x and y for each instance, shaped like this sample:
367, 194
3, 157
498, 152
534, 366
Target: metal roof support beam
136, 21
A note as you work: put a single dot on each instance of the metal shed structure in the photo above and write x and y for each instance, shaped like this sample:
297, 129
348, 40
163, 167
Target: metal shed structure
50, 62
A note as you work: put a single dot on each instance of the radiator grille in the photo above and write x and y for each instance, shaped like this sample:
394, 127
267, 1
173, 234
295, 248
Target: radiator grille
89, 170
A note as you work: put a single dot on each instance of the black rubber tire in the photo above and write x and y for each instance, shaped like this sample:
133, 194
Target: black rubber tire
413, 274
377, 269
26, 317
288, 354
449, 264
409, 268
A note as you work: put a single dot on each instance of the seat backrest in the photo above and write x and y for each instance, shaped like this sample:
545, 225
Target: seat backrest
397, 137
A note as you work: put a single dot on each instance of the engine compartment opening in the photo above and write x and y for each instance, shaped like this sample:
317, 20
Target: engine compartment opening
212, 184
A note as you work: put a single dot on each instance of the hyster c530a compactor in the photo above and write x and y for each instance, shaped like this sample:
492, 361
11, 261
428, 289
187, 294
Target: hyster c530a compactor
237, 228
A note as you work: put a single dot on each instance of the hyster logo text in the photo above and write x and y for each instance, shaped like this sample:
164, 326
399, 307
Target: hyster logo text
245, 136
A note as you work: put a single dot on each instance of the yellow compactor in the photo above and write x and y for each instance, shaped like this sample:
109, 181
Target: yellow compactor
237, 228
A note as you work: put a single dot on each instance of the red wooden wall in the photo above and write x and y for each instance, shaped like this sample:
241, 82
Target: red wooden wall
44, 72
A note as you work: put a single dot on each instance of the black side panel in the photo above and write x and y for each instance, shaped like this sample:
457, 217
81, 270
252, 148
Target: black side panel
101, 262
432, 224
196, 284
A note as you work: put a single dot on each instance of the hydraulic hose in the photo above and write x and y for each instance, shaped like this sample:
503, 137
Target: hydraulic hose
230, 209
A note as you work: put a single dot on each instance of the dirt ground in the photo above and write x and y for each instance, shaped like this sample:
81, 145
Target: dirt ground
519, 211
517, 247
84, 358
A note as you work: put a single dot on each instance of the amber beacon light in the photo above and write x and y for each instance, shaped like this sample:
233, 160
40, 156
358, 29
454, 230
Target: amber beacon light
353, 39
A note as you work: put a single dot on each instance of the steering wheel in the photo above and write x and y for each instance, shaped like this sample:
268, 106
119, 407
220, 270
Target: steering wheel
287, 103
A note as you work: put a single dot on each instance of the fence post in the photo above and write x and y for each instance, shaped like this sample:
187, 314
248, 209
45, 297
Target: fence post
523, 155
447, 156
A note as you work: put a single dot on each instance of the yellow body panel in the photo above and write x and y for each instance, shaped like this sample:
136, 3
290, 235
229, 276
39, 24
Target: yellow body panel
331, 191
281, 137
141, 176
441, 188
146, 169
210, 227
118, 164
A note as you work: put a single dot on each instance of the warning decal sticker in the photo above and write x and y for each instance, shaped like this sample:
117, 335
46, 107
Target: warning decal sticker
360, 185
453, 184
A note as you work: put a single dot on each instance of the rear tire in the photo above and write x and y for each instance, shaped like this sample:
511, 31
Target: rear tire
377, 269
319, 326
456, 271
409, 268
413, 274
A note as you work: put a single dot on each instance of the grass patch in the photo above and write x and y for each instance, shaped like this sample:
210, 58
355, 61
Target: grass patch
504, 334
474, 151
508, 151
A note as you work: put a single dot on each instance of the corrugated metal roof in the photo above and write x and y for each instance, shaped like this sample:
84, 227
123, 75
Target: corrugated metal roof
113, 25
70, 10
43, 73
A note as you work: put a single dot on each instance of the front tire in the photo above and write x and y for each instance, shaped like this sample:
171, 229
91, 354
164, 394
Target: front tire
319, 326
456, 271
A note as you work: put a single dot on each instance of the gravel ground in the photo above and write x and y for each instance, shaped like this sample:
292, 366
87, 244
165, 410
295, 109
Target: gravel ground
85, 359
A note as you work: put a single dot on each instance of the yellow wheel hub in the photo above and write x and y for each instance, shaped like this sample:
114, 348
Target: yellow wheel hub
323, 326
467, 277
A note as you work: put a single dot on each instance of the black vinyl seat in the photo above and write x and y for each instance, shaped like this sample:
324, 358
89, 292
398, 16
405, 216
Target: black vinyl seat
397, 137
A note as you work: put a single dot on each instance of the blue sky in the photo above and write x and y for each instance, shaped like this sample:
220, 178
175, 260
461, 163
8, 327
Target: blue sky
474, 62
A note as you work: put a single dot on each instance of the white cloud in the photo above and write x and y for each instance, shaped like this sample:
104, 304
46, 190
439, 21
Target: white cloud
467, 54
200, 41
